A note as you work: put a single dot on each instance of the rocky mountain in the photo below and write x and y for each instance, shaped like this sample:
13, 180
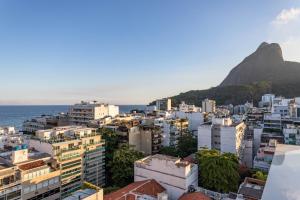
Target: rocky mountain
264, 71
265, 64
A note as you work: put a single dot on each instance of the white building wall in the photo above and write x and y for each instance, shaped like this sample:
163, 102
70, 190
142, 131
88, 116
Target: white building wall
113, 110
228, 139
41, 146
204, 136
257, 132
174, 178
166, 134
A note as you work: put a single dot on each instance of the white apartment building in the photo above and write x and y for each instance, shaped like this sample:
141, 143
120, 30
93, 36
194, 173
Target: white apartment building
172, 173
272, 121
280, 106
183, 107
264, 155
208, 106
84, 112
222, 135
267, 100
295, 108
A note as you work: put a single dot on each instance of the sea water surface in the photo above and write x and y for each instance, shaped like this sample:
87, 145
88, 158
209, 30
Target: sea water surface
16, 115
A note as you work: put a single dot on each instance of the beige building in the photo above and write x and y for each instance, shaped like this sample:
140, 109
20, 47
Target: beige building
79, 152
83, 113
208, 106
10, 182
146, 138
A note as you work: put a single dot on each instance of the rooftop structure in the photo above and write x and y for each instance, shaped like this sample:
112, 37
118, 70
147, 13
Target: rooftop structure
147, 190
86, 194
172, 173
194, 196
252, 188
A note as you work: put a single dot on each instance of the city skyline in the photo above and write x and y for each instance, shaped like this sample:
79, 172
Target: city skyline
133, 52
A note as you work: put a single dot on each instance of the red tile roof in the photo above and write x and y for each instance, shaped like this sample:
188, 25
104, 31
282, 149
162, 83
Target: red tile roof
32, 165
129, 192
194, 196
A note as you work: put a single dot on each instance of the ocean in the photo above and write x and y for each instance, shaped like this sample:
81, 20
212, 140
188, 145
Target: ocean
16, 115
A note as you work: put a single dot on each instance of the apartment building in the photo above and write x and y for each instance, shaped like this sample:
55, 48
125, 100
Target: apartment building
280, 106
82, 113
195, 119
172, 130
10, 182
146, 138
40, 176
28, 174
291, 134
272, 122
164, 104
174, 174
267, 100
79, 152
208, 106
264, 155
45, 122
223, 135
183, 107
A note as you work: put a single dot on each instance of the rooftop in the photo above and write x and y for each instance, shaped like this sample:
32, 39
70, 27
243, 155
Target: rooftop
32, 165
81, 194
147, 187
252, 188
177, 161
194, 196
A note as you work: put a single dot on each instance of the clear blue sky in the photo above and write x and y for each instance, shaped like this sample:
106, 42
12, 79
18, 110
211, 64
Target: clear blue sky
132, 51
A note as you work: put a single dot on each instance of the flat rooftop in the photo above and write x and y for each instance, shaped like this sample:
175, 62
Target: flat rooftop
284, 175
81, 194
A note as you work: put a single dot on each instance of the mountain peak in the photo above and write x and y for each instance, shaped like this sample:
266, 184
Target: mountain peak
265, 64
262, 45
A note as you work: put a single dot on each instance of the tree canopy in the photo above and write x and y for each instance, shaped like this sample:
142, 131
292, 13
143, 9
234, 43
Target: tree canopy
218, 172
122, 165
187, 145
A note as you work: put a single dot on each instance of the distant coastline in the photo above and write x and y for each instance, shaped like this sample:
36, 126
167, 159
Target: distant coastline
15, 115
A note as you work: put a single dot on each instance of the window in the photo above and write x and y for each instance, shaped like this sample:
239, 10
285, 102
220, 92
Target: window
51, 181
39, 186
45, 183
26, 190
32, 188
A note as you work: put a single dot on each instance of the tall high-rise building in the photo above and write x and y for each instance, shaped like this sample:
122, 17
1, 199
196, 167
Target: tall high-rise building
79, 152
208, 106
164, 104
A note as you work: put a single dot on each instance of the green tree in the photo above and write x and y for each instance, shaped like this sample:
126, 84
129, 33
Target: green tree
122, 165
187, 144
218, 172
260, 175
170, 151
111, 145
